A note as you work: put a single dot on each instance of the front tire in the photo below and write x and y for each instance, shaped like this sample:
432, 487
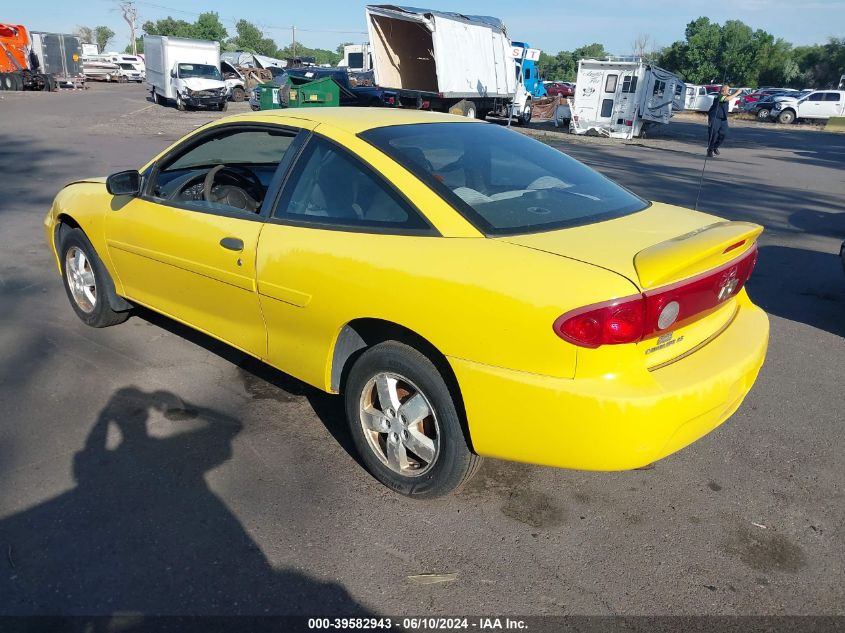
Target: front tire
86, 281
786, 117
180, 104
405, 424
238, 94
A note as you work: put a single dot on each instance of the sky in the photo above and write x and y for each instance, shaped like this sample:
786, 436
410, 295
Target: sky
551, 25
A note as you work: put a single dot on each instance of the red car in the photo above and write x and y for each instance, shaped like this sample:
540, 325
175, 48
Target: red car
558, 89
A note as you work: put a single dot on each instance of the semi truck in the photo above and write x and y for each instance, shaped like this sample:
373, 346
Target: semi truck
450, 62
38, 61
185, 71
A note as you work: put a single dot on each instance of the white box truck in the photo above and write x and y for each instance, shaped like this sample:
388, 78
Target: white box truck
447, 61
185, 71
619, 97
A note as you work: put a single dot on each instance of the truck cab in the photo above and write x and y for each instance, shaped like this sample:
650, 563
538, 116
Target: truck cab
198, 85
819, 104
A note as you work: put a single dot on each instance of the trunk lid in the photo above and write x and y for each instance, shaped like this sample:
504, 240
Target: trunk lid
660, 248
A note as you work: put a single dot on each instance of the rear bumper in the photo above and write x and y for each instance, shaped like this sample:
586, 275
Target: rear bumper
615, 422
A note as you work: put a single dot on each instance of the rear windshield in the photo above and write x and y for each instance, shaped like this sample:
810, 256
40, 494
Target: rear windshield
502, 181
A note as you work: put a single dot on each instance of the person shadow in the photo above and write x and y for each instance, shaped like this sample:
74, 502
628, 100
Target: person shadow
142, 533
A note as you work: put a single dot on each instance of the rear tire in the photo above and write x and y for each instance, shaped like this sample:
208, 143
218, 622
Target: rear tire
763, 114
86, 281
15, 81
387, 385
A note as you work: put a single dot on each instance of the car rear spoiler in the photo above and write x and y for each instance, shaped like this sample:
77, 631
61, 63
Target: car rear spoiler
694, 253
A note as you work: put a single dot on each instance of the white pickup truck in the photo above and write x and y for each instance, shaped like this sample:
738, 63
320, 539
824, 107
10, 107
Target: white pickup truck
819, 104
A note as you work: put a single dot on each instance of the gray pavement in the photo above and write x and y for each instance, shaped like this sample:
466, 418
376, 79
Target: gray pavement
148, 469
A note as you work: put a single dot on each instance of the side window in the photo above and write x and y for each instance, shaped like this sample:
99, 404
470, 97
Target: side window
659, 88
832, 96
610, 83
816, 96
528, 73
629, 84
230, 170
331, 187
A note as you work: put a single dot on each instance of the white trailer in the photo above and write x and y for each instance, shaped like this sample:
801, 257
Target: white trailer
446, 61
186, 71
618, 97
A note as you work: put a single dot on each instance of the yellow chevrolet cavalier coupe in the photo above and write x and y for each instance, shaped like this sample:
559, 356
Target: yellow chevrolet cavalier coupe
468, 290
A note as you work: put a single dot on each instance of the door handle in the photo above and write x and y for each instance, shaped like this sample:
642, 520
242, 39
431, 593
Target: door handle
232, 243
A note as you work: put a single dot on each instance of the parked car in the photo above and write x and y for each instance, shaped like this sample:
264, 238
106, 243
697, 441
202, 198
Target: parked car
470, 291
818, 104
762, 108
558, 89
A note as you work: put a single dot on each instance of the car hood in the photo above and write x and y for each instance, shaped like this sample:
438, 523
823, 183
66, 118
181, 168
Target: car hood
198, 83
785, 99
654, 247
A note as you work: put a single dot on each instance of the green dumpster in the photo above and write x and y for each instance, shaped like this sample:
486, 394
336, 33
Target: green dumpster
319, 93
298, 92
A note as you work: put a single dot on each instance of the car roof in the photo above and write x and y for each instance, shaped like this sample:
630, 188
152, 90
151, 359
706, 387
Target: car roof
353, 120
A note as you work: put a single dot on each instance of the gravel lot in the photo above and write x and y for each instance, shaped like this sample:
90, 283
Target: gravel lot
148, 469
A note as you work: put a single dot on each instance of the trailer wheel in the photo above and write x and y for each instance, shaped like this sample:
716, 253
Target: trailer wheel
2, 82
469, 110
17, 81
44, 82
238, 94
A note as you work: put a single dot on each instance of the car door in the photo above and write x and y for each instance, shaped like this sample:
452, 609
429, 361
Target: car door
832, 104
813, 106
332, 247
186, 246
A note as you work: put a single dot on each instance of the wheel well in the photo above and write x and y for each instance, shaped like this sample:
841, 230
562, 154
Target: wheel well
63, 221
360, 334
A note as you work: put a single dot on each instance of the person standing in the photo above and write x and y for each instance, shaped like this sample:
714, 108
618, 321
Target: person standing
717, 119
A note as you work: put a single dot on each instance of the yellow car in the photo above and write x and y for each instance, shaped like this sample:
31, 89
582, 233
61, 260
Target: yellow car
468, 290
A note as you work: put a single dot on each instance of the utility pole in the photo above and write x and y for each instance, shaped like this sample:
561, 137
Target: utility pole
130, 14
293, 35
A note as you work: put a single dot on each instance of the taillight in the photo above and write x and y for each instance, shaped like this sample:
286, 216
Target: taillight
609, 323
639, 317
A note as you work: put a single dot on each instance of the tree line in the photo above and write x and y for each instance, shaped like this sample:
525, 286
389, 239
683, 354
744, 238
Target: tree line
247, 37
731, 53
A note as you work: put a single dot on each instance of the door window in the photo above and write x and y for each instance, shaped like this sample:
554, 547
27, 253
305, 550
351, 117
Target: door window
816, 96
610, 83
833, 96
331, 187
659, 88
229, 170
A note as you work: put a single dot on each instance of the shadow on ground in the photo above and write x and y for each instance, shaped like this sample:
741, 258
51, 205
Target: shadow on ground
801, 285
146, 457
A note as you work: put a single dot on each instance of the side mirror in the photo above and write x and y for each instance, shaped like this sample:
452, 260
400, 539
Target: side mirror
124, 183
173, 73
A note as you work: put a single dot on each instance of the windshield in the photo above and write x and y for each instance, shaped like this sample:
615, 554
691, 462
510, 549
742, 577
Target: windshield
127, 66
203, 71
502, 181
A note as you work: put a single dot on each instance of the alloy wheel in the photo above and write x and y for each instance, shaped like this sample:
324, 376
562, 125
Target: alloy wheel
399, 424
80, 279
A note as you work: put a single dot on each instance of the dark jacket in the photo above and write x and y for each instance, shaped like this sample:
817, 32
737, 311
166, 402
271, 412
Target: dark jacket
718, 111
